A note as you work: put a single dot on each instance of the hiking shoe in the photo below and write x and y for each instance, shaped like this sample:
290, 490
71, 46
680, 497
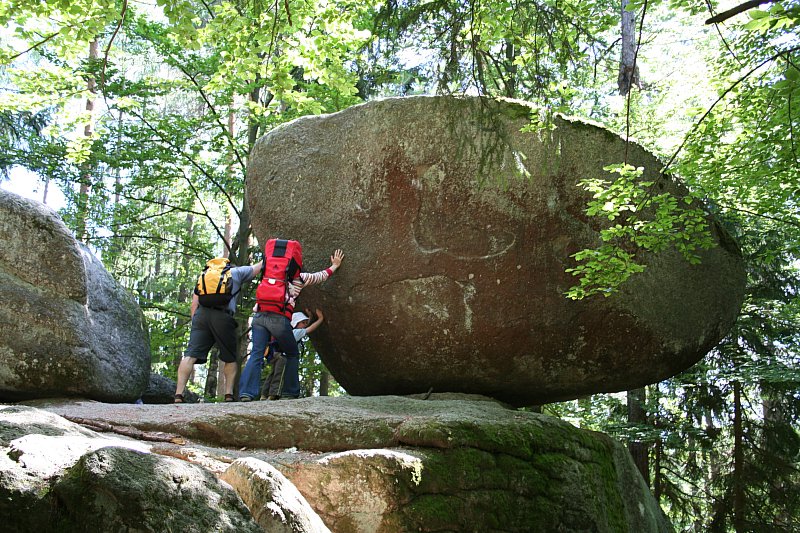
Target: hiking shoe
245, 399
273, 397
229, 398
179, 398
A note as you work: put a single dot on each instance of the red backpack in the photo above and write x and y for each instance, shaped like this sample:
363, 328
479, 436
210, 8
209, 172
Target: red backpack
283, 261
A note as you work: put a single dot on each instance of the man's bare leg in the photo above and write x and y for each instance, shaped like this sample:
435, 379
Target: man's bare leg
184, 371
229, 371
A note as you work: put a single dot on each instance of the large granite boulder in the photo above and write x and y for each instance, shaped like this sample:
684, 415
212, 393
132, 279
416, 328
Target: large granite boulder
69, 329
457, 229
386, 464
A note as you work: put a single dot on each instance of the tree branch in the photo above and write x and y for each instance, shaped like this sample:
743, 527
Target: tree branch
45, 40
128, 431
786, 221
177, 64
191, 161
34, 46
741, 8
165, 309
220, 234
719, 32
722, 97
217, 118
200, 252
110, 41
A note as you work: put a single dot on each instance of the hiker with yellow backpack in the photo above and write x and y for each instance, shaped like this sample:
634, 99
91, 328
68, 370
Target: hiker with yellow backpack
213, 309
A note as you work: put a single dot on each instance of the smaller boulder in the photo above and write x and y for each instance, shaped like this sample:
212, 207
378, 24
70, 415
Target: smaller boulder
115, 489
58, 476
275, 503
161, 389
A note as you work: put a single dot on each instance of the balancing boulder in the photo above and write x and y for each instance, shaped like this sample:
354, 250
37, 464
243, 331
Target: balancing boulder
458, 228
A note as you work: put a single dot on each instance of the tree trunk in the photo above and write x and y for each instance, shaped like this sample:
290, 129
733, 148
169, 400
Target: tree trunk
637, 415
780, 452
220, 379
738, 461
186, 288
226, 248
511, 69
86, 173
324, 382
657, 479
628, 71
212, 378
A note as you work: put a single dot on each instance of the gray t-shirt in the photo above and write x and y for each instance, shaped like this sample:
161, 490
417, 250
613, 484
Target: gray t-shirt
240, 276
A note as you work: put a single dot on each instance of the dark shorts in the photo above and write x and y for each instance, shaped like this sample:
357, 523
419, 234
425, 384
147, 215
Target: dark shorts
210, 327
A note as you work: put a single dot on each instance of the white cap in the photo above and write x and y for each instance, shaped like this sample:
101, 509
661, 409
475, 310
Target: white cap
298, 317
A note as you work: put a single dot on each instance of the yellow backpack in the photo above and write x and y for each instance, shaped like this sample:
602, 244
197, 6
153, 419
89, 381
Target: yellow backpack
215, 284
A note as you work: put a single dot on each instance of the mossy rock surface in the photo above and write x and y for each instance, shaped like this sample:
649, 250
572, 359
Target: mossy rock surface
390, 463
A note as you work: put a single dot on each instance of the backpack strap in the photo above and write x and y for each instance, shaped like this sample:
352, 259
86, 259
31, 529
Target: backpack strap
203, 280
280, 247
225, 270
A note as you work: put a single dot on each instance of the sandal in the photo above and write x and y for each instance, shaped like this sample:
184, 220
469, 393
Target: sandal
229, 398
179, 398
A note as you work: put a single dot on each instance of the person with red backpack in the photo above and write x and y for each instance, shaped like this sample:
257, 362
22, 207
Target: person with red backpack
282, 282
250, 387
212, 311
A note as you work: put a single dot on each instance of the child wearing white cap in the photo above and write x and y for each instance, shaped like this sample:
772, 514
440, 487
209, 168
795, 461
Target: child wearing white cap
273, 387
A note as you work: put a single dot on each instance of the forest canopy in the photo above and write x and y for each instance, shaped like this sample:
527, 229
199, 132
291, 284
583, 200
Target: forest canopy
143, 113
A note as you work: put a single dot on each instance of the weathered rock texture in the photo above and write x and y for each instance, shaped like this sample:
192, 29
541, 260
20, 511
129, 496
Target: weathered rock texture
457, 230
68, 327
57, 476
275, 503
388, 464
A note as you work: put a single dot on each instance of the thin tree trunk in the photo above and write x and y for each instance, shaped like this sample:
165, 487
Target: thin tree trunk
657, 479
46, 186
628, 71
324, 382
86, 175
738, 461
511, 69
637, 415
116, 246
212, 378
226, 249
776, 421
156, 294
229, 218
220, 379
117, 175
186, 287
